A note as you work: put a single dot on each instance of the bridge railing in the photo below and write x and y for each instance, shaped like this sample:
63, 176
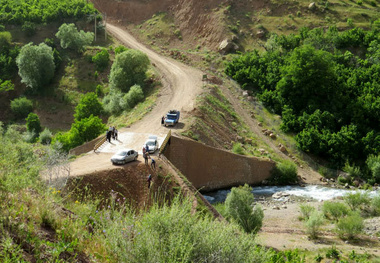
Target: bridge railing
165, 142
99, 143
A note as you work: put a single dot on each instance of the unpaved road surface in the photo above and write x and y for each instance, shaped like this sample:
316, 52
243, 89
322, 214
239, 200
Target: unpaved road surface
181, 85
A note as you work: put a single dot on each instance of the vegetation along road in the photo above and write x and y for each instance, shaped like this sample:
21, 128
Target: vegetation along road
181, 85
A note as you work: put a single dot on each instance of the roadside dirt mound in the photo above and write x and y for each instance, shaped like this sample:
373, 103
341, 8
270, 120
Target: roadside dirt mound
195, 19
128, 183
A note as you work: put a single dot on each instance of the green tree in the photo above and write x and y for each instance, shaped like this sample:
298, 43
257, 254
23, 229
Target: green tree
87, 106
129, 69
309, 80
134, 96
36, 65
101, 59
239, 207
71, 38
21, 107
33, 123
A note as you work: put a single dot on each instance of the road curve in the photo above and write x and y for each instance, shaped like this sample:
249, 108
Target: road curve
181, 85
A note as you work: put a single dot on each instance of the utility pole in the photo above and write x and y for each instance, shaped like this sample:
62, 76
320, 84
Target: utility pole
95, 27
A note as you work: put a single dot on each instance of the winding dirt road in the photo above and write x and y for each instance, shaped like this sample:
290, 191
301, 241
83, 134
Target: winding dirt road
181, 85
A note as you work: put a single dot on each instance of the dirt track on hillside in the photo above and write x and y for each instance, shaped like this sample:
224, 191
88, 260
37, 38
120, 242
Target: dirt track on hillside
181, 85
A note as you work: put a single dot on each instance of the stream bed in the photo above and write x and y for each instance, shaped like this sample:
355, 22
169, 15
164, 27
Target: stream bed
314, 192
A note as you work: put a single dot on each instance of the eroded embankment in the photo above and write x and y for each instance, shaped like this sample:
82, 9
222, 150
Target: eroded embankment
208, 168
128, 182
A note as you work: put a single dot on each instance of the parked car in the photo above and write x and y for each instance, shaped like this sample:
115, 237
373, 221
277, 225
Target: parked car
152, 144
172, 117
124, 156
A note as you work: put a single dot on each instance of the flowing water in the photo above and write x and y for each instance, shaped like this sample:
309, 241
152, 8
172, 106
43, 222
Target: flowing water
315, 192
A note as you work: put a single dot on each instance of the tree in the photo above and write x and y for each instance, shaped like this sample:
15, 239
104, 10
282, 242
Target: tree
87, 106
309, 80
33, 123
21, 107
128, 69
239, 206
71, 38
101, 59
134, 96
36, 65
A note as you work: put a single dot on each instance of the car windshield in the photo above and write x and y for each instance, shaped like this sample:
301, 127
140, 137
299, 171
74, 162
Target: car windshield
151, 143
171, 117
123, 153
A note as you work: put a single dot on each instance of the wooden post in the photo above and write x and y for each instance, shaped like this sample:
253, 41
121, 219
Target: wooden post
95, 27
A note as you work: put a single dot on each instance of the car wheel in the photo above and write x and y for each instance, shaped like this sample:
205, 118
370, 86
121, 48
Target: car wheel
135, 157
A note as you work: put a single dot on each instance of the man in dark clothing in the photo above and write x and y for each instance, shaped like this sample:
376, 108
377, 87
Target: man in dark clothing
149, 180
162, 120
146, 156
153, 164
108, 136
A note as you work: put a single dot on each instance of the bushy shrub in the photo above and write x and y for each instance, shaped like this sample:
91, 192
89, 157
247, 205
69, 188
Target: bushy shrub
21, 107
88, 105
375, 205
349, 227
284, 173
46, 136
352, 170
134, 96
70, 37
239, 207
120, 49
33, 123
313, 224
113, 103
357, 200
306, 211
29, 28
101, 59
99, 90
237, 148
30, 137
334, 210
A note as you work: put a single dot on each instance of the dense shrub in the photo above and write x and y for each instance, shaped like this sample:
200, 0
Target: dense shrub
29, 28
88, 105
306, 211
46, 136
239, 207
375, 205
71, 38
313, 224
134, 96
350, 226
21, 107
43, 11
101, 59
284, 173
128, 69
114, 103
120, 49
36, 65
326, 94
357, 200
33, 123
335, 210
81, 131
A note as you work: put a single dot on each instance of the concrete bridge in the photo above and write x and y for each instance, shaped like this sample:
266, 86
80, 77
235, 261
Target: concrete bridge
208, 168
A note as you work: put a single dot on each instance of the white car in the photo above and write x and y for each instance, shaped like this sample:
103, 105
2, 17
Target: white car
124, 156
152, 144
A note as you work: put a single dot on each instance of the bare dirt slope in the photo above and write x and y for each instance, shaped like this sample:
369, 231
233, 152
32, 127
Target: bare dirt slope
181, 85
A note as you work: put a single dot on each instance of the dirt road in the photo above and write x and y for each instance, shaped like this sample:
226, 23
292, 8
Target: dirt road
181, 85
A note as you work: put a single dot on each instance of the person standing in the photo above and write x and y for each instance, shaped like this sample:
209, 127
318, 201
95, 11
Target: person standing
149, 180
146, 157
162, 120
108, 136
153, 164
116, 131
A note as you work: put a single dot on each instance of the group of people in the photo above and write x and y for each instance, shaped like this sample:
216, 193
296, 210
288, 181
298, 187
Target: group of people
111, 133
147, 156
